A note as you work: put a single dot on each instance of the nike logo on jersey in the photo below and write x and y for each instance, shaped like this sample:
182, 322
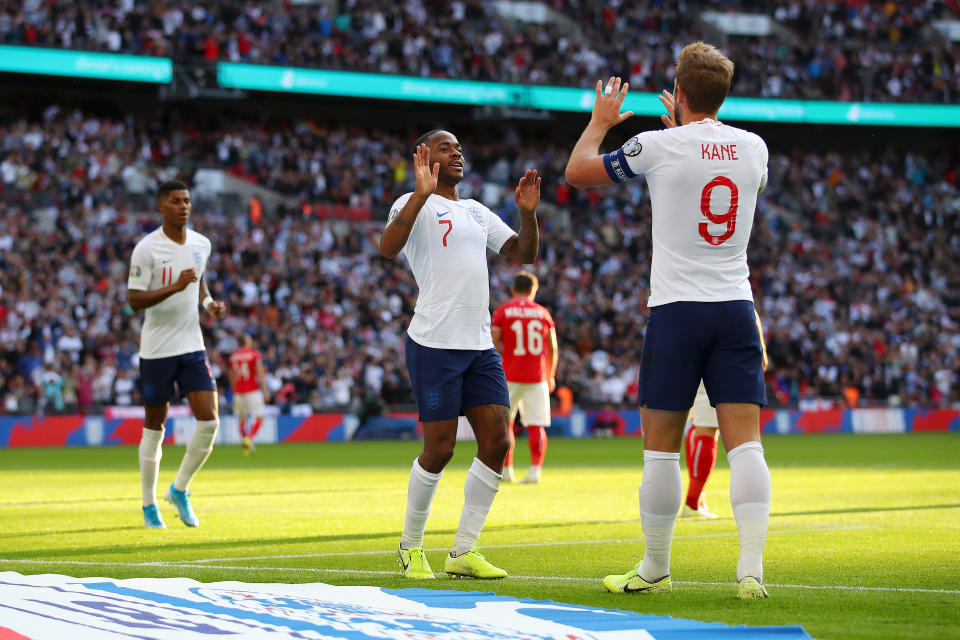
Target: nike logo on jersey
166, 261
440, 215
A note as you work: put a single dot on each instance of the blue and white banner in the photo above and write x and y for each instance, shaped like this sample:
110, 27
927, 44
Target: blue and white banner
54, 607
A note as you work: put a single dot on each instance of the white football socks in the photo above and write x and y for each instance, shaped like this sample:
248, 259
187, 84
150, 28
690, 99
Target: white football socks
198, 450
420, 491
750, 499
150, 454
478, 492
660, 497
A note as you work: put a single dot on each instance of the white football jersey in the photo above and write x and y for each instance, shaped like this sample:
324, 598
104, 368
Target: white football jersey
172, 326
447, 252
704, 178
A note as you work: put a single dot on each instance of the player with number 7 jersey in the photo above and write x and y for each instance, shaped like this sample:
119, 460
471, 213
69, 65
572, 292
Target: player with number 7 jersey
704, 177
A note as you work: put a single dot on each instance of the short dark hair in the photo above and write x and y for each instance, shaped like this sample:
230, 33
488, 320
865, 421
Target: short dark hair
425, 138
524, 282
168, 186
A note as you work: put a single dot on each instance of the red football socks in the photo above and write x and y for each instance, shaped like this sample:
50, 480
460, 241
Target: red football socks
704, 458
538, 445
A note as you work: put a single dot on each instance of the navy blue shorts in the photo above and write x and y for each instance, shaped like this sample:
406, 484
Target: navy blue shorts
715, 341
191, 372
447, 382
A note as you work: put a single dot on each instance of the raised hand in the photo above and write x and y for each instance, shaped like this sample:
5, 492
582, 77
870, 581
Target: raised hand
426, 180
527, 194
606, 108
670, 117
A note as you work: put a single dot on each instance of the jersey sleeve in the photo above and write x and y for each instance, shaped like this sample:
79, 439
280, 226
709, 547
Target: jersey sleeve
548, 318
141, 268
497, 319
638, 155
766, 157
498, 231
397, 205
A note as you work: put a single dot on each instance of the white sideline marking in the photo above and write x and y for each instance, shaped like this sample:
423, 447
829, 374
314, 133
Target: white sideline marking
178, 565
559, 543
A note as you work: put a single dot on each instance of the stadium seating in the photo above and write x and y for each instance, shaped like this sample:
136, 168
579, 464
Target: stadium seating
863, 51
852, 263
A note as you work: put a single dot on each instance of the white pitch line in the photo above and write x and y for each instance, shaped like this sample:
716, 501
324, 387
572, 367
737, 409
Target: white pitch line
559, 543
172, 565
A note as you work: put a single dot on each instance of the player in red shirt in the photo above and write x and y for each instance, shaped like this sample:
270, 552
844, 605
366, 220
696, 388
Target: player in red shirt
248, 381
525, 335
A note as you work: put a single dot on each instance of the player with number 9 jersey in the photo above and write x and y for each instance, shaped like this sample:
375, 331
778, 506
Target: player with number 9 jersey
704, 177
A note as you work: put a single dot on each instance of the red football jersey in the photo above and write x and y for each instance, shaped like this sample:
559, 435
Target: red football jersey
524, 331
243, 365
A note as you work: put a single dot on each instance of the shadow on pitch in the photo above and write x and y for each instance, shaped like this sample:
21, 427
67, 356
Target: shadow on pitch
127, 498
822, 512
47, 532
268, 545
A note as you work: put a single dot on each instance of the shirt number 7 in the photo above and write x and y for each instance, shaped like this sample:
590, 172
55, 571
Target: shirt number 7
449, 224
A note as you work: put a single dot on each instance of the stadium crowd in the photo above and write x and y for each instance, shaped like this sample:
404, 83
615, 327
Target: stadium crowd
852, 265
871, 50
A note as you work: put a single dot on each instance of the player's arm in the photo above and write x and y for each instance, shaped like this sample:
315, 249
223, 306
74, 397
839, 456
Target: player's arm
586, 167
217, 309
763, 343
524, 246
553, 353
398, 229
230, 377
497, 334
140, 299
262, 379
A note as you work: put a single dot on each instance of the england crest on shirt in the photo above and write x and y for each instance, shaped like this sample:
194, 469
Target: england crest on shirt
197, 258
475, 213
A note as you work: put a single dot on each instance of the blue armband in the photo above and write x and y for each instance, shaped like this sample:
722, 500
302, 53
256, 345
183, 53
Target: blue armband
617, 168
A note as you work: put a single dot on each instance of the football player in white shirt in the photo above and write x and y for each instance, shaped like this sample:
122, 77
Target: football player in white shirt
704, 177
453, 367
166, 279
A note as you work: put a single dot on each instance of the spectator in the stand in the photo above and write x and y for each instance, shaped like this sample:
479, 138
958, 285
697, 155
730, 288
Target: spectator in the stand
861, 51
844, 300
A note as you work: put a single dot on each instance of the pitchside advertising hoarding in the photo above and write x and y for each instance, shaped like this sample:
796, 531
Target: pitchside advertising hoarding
124, 425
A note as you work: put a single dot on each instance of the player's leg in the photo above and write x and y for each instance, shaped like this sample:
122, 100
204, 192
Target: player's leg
196, 382
156, 381
514, 389
701, 454
240, 410
255, 406
733, 376
536, 402
669, 375
436, 376
486, 401
150, 450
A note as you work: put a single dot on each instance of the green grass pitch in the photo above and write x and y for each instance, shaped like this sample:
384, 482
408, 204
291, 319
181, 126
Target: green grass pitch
864, 538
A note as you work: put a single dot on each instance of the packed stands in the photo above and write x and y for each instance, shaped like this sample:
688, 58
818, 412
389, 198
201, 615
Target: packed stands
852, 263
863, 51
